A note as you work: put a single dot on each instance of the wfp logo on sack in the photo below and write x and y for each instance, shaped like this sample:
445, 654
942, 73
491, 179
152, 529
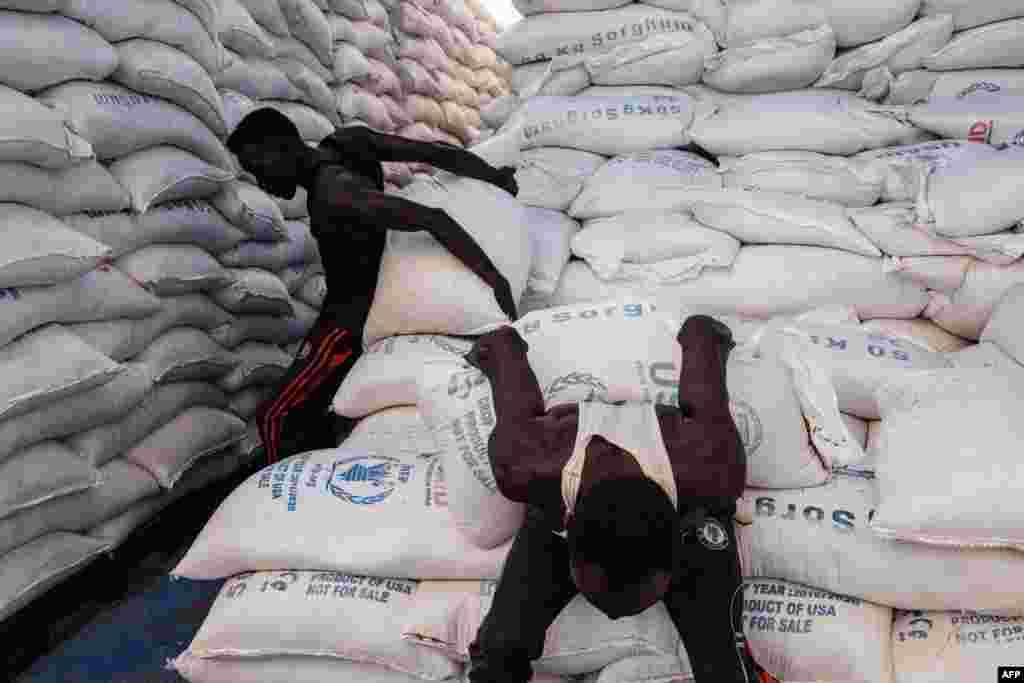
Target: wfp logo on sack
367, 479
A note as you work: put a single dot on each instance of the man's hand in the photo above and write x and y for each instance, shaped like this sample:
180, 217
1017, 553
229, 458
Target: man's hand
505, 178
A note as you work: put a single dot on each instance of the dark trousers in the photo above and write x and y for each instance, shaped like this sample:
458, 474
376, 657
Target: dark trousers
704, 601
298, 418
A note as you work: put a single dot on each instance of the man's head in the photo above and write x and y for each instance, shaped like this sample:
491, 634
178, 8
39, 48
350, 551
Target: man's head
269, 146
624, 537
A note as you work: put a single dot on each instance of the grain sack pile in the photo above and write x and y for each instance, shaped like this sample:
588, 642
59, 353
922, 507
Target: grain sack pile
144, 286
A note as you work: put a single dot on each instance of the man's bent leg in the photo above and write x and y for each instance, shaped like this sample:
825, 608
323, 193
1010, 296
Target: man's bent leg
296, 419
706, 602
534, 588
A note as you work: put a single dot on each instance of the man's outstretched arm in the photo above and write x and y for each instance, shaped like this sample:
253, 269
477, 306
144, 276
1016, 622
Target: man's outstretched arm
339, 203
440, 155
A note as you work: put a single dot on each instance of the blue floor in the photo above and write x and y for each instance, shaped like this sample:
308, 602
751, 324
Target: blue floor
131, 642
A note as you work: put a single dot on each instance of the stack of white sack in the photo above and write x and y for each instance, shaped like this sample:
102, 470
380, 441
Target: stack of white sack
137, 276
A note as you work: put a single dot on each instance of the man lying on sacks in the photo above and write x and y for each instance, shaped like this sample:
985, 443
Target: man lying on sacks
627, 503
350, 215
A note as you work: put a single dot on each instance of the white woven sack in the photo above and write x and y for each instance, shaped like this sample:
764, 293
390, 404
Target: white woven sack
364, 36
946, 646
857, 22
604, 125
400, 528
203, 474
993, 118
857, 361
42, 250
308, 23
966, 497
164, 173
40, 50
189, 222
208, 12
895, 230
33, 133
775, 218
267, 14
299, 53
186, 354
124, 339
296, 208
457, 405
645, 669
293, 669
528, 7
446, 616
414, 262
772, 64
102, 444
538, 78
269, 329
809, 121
80, 412
258, 78
821, 537
848, 182
246, 403
314, 291
668, 59
1005, 328
198, 432
965, 306
40, 473
294, 277
652, 246
259, 364
752, 20
101, 294
122, 484
814, 277
163, 71
32, 569
87, 186
41, 6
901, 51
915, 87
297, 248
907, 167
46, 365
919, 331
799, 633
969, 14
985, 47
781, 390
330, 614
386, 375
238, 31
552, 177
174, 270
252, 210
649, 180
551, 233
118, 121
160, 20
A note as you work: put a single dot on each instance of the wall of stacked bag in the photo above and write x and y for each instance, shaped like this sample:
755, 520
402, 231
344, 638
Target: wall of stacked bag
151, 295
861, 234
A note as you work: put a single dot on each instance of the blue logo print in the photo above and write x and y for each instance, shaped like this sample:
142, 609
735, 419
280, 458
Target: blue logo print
367, 479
